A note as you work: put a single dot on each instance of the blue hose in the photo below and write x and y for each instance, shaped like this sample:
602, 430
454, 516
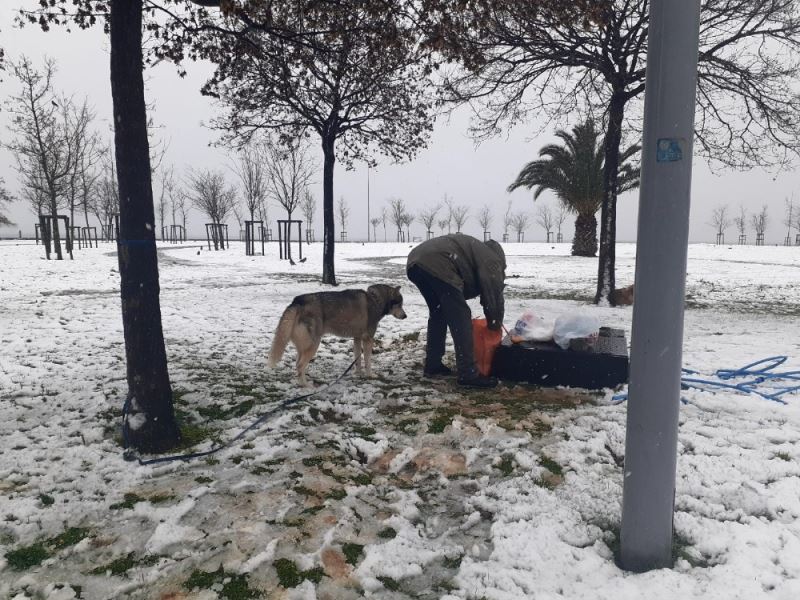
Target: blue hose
759, 378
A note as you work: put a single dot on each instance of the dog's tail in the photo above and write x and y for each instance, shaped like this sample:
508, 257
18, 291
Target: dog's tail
282, 335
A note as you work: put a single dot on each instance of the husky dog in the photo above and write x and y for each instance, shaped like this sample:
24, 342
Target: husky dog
349, 314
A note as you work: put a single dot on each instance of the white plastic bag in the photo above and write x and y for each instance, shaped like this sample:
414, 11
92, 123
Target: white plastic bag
575, 325
531, 328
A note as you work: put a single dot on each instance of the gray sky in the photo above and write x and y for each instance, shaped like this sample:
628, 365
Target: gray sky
451, 165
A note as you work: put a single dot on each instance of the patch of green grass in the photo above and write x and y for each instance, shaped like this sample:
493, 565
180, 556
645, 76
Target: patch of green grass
363, 431
313, 461
33, 555
128, 501
261, 469
290, 576
27, 556
234, 586
442, 419
46, 500
68, 537
304, 491
203, 479
123, 564
551, 465
192, 433
506, 465
387, 534
783, 456
682, 548
453, 563
312, 510
405, 424
362, 479
352, 552
390, 584
336, 494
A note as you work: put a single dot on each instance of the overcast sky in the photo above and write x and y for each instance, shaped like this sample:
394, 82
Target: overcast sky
451, 165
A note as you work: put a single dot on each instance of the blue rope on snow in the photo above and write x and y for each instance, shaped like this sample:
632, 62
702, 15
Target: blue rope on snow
755, 375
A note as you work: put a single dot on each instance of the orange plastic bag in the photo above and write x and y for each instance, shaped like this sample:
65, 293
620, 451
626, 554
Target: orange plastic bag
486, 342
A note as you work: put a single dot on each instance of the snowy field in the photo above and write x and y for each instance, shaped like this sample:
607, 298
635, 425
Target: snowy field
393, 487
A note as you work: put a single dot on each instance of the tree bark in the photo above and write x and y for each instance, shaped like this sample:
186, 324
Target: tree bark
329, 233
150, 425
608, 209
56, 237
585, 241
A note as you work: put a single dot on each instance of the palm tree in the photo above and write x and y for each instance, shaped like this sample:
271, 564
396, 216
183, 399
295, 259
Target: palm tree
574, 172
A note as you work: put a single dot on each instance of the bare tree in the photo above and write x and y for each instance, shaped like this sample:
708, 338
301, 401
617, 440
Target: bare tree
741, 223
375, 221
559, 218
460, 216
720, 221
797, 226
442, 223
289, 171
544, 217
162, 202
343, 212
33, 193
408, 219
43, 143
448, 203
383, 222
485, 220
519, 222
308, 205
87, 154
182, 208
106, 197
788, 218
397, 214
237, 214
211, 194
427, 217
508, 221
759, 222
526, 59
249, 167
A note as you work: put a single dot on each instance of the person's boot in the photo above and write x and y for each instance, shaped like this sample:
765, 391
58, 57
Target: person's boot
438, 370
476, 380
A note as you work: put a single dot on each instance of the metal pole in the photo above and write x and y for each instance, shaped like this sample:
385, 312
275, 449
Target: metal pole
368, 204
657, 332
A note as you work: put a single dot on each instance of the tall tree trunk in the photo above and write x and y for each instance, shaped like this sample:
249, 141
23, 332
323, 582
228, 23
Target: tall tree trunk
150, 426
608, 210
56, 237
585, 241
328, 226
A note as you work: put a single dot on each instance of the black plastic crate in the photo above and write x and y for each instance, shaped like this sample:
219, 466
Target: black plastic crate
605, 365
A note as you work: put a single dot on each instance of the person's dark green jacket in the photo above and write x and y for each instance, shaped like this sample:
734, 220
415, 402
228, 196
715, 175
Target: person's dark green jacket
474, 267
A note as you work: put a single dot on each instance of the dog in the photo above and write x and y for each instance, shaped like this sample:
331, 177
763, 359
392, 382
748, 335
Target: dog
623, 296
349, 314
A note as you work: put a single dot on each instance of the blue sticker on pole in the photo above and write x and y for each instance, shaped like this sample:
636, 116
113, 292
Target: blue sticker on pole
669, 150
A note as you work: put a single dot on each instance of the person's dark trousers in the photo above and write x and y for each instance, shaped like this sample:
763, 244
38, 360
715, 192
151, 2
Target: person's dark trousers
448, 308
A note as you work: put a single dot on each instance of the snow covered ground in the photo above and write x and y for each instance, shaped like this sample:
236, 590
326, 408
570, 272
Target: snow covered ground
392, 487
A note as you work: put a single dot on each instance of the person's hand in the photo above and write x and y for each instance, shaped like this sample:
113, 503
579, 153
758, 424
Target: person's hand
493, 324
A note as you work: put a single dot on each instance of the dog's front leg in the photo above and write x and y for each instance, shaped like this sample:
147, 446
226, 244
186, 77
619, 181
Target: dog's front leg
357, 352
368, 343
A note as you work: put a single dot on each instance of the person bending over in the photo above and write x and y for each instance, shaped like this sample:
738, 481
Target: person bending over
449, 270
